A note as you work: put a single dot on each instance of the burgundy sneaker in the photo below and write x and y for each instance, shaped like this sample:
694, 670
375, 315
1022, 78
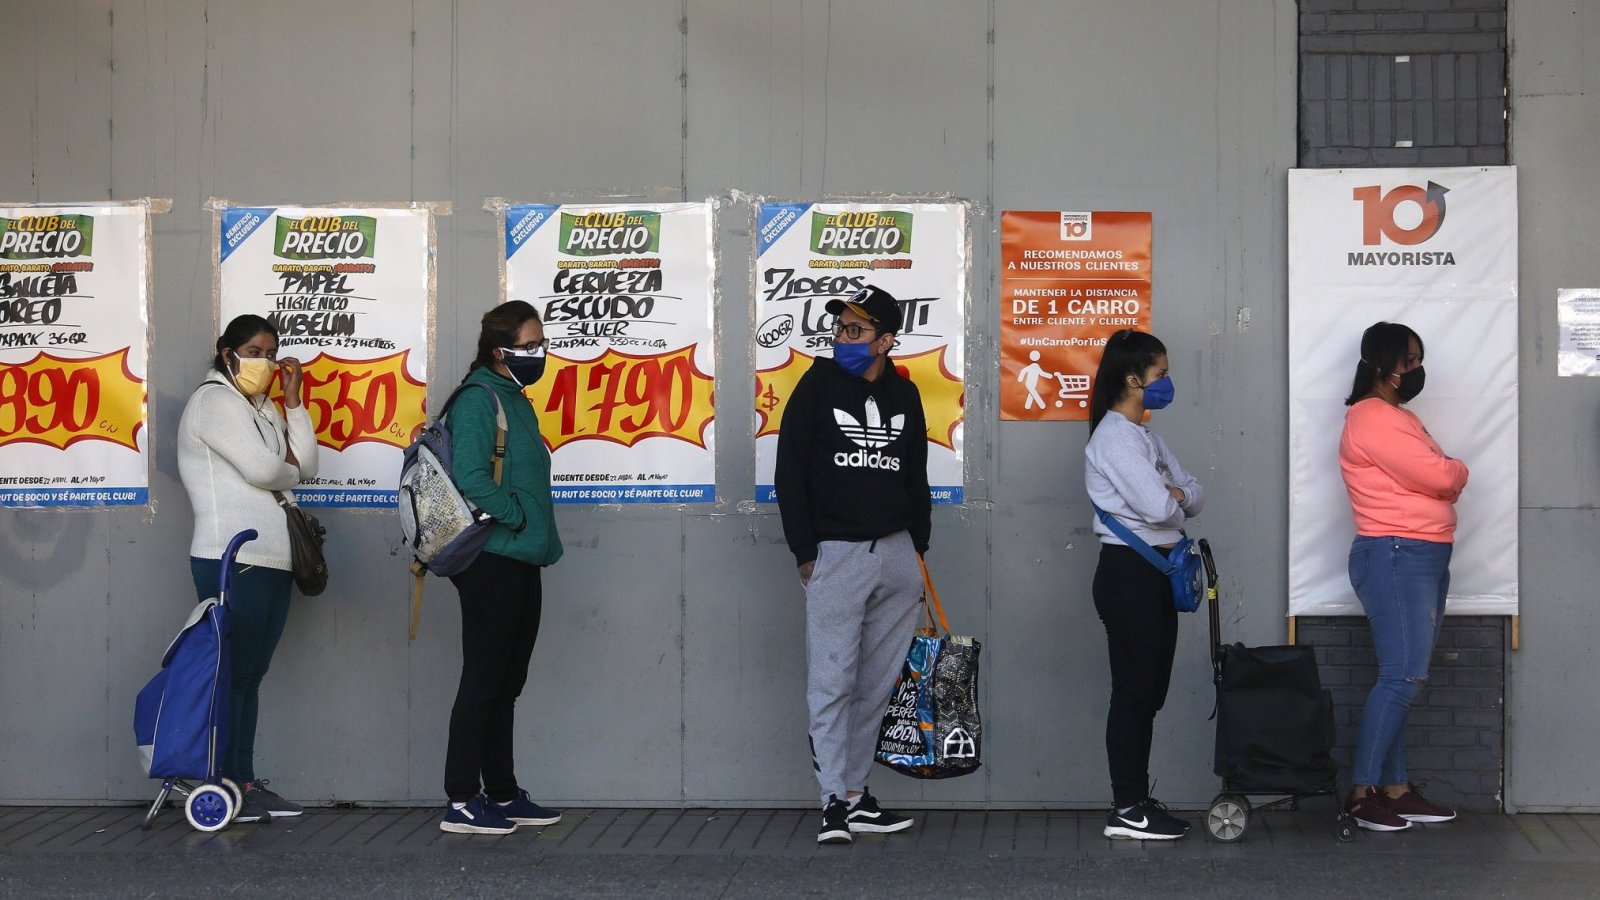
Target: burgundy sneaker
1371, 813
1413, 808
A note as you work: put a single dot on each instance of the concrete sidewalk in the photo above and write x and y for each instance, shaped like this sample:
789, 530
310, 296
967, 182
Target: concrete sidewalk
49, 851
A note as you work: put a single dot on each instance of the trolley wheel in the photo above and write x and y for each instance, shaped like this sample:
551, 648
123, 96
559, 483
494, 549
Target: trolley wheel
1228, 818
209, 808
1345, 829
238, 796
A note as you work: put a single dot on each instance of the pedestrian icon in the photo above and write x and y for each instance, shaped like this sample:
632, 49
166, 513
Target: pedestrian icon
1074, 388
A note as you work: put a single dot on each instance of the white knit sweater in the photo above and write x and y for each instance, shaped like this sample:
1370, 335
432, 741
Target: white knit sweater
231, 458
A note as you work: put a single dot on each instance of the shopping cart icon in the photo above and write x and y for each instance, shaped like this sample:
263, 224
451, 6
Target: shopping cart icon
1073, 387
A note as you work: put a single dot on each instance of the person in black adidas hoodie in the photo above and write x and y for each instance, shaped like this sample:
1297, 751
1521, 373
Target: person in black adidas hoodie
852, 484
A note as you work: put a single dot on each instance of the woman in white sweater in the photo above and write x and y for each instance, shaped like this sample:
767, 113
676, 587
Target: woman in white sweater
1131, 474
235, 449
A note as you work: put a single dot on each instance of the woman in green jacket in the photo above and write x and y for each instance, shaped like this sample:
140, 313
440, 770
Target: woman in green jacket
500, 591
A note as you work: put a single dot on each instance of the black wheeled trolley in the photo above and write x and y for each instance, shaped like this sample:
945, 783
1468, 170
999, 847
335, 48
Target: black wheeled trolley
1274, 729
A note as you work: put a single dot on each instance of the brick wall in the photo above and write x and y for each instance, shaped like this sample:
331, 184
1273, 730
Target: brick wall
1402, 82
1457, 736
1413, 83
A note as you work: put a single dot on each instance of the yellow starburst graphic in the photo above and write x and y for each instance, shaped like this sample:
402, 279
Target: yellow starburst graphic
59, 402
943, 394
356, 400
623, 399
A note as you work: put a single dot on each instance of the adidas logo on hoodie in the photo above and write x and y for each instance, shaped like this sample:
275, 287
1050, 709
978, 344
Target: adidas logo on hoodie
869, 435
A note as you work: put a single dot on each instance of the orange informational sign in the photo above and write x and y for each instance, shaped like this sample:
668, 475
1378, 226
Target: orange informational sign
1068, 281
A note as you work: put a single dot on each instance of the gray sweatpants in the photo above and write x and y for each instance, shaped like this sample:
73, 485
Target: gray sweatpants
861, 610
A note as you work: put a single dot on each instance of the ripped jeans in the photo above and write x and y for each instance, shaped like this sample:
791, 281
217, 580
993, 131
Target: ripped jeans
1402, 583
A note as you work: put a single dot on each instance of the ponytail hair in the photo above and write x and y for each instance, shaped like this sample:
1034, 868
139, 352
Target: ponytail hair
1383, 347
1128, 352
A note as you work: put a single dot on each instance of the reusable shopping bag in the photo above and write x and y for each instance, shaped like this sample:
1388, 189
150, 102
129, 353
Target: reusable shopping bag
932, 728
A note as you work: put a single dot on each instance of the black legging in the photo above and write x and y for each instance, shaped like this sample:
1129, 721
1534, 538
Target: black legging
1134, 601
500, 605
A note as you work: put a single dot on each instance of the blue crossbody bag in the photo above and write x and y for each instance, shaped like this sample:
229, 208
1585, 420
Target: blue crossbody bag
1182, 565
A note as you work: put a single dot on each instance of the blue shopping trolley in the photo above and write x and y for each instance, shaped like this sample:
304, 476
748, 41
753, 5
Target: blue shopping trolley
179, 719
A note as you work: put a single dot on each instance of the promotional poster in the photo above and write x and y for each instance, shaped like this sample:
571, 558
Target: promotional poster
74, 298
350, 290
810, 253
627, 296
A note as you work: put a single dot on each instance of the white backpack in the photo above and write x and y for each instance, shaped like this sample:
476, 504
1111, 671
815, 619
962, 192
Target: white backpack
443, 530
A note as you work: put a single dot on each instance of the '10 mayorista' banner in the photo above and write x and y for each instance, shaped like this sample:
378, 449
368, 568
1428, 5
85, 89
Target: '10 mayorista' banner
349, 290
1068, 281
625, 292
810, 253
1435, 250
74, 286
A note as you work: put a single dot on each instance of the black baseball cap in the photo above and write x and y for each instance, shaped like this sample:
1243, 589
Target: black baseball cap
874, 304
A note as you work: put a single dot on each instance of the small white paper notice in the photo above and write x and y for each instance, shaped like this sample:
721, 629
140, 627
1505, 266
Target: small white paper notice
1578, 314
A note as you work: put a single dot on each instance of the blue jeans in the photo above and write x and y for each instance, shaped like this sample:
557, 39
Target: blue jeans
258, 607
1402, 584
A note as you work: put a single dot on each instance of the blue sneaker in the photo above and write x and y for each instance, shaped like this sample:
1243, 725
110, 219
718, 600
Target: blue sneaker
479, 816
523, 811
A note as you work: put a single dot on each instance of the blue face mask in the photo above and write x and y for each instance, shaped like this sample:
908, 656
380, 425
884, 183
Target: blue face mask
1158, 394
854, 358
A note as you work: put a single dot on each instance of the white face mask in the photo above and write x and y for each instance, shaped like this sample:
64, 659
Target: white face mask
254, 375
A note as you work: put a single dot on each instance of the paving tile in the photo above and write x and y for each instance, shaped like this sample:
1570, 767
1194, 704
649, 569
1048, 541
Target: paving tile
1590, 825
571, 821
363, 830
1539, 833
27, 822
67, 829
119, 829
1001, 832
786, 828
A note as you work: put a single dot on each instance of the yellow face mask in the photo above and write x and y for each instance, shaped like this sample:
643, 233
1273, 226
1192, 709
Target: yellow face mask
254, 375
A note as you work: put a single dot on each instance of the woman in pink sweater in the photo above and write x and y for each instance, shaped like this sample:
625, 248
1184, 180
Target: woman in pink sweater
1403, 490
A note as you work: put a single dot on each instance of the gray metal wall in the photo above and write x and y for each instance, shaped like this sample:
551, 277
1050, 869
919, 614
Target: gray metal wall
670, 668
1553, 681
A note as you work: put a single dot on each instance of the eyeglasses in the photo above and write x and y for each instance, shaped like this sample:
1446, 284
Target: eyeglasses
852, 330
531, 348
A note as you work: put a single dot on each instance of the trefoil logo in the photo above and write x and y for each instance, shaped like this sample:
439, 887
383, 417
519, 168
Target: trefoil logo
868, 433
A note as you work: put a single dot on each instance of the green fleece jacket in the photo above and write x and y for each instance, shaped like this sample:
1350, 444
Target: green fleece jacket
525, 521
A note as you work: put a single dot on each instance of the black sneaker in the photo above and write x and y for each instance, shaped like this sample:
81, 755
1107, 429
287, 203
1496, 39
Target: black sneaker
522, 810
1148, 820
867, 816
835, 822
479, 816
278, 807
251, 810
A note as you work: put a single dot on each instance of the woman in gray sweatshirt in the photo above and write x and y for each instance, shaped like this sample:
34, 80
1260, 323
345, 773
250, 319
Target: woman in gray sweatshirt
1131, 474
